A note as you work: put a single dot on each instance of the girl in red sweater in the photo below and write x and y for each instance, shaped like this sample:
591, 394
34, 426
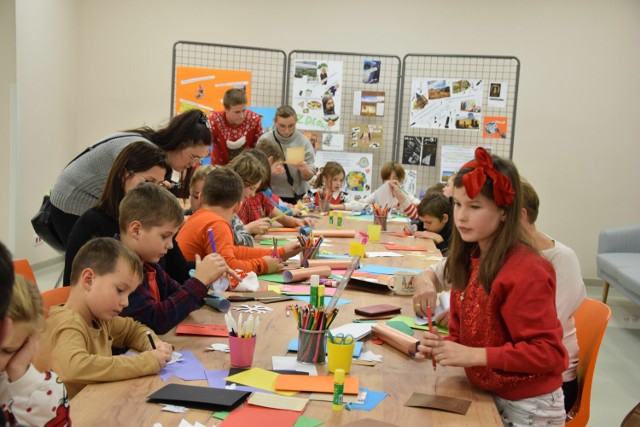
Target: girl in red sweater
503, 329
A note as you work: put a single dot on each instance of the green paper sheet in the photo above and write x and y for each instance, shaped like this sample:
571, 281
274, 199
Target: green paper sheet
268, 242
307, 422
273, 277
412, 324
220, 415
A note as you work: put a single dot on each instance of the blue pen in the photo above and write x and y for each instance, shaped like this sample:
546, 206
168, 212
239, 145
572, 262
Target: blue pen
213, 242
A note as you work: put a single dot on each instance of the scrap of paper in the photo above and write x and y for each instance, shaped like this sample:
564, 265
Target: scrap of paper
284, 363
383, 254
372, 400
370, 356
174, 408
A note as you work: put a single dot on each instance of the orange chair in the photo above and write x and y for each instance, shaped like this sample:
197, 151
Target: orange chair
23, 268
591, 322
54, 297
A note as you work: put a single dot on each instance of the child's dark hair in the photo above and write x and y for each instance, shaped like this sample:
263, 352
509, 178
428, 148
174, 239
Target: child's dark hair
509, 231
389, 167
222, 187
234, 97
435, 204
436, 188
102, 255
264, 160
329, 170
151, 205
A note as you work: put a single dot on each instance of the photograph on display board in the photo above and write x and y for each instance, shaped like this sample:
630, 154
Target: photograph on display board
497, 95
411, 150
446, 103
357, 167
410, 181
332, 142
368, 103
371, 71
429, 150
204, 88
317, 95
494, 127
313, 137
364, 136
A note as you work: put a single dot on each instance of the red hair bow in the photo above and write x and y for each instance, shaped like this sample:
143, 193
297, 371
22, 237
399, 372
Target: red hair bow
482, 167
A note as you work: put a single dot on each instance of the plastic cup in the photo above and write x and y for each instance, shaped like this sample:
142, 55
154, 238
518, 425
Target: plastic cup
340, 356
241, 351
324, 205
356, 248
381, 220
312, 346
374, 232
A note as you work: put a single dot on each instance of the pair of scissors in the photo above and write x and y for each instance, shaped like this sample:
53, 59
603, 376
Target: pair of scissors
343, 339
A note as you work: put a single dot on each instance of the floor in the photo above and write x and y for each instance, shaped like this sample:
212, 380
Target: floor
616, 384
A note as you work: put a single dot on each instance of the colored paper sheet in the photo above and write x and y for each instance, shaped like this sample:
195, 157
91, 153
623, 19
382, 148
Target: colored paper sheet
373, 398
208, 330
413, 325
320, 383
275, 401
304, 421
275, 288
221, 415
405, 248
259, 378
283, 363
326, 255
189, 369
384, 269
273, 277
269, 242
216, 379
283, 230
307, 299
250, 415
304, 290
357, 349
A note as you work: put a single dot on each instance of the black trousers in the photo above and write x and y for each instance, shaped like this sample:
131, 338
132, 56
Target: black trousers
570, 390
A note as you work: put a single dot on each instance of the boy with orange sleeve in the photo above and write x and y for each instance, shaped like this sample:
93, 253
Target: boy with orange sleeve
221, 197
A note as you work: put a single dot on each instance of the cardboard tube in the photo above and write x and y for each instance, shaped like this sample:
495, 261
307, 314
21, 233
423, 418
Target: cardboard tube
305, 273
396, 339
334, 264
334, 233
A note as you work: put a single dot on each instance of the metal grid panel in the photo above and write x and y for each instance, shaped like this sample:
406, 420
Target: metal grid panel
389, 82
489, 69
267, 66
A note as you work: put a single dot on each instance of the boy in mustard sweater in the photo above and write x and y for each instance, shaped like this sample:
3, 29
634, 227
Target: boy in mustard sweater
220, 198
79, 335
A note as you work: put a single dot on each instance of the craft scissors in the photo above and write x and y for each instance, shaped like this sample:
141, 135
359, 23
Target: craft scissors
343, 339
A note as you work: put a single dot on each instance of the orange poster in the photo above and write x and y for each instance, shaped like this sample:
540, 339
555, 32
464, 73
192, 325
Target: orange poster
203, 88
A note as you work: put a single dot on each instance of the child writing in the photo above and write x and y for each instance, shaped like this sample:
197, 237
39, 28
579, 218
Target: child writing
28, 397
161, 302
503, 325
433, 221
221, 198
329, 185
79, 335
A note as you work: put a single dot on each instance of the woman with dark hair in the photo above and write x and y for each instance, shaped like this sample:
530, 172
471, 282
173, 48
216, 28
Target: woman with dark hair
185, 141
139, 162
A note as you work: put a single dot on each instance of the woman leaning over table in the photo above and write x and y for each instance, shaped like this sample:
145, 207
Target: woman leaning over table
185, 140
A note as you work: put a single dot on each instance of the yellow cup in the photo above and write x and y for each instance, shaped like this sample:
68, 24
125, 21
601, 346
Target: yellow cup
340, 356
374, 232
356, 248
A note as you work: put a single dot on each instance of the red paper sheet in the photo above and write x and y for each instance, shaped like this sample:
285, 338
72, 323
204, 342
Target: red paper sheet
208, 330
251, 415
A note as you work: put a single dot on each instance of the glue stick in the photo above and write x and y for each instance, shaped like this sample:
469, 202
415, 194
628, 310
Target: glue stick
338, 389
339, 219
314, 282
331, 215
320, 296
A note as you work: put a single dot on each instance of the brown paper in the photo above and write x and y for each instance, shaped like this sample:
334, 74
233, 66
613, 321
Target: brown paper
334, 233
305, 273
443, 403
334, 264
396, 339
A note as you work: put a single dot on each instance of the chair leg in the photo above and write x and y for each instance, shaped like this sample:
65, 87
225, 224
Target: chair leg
605, 292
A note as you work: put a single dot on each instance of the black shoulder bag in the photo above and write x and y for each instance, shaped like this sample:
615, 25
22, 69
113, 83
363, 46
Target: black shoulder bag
286, 168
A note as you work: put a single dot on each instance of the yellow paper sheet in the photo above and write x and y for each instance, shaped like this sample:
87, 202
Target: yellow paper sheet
275, 288
259, 378
295, 155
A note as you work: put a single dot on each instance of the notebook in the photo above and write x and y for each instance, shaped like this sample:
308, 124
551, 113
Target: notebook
215, 399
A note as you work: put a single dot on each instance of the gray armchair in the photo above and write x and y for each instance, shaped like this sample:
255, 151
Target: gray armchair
618, 261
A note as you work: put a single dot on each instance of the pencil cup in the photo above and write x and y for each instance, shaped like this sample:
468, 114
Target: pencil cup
241, 351
312, 346
308, 253
374, 232
324, 205
340, 356
381, 220
355, 249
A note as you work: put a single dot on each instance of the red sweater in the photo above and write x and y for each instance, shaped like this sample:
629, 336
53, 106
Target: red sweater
193, 239
518, 325
223, 131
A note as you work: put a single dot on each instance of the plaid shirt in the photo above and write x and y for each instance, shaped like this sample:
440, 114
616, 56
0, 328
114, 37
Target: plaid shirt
255, 208
176, 301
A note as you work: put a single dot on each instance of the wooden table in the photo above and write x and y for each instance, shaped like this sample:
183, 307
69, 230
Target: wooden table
124, 402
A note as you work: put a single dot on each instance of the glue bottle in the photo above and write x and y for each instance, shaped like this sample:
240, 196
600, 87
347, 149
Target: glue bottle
339, 219
338, 389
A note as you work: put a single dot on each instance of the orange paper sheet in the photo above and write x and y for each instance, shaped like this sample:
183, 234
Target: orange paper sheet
397, 234
313, 383
405, 248
283, 230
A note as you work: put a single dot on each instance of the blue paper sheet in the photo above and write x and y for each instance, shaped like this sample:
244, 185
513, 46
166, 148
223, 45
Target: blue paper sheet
372, 400
357, 349
385, 269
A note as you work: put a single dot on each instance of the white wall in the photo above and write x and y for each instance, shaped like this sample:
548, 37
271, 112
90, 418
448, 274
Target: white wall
575, 139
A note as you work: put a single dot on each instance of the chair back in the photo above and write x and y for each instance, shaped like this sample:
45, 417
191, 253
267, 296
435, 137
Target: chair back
23, 268
54, 297
591, 321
